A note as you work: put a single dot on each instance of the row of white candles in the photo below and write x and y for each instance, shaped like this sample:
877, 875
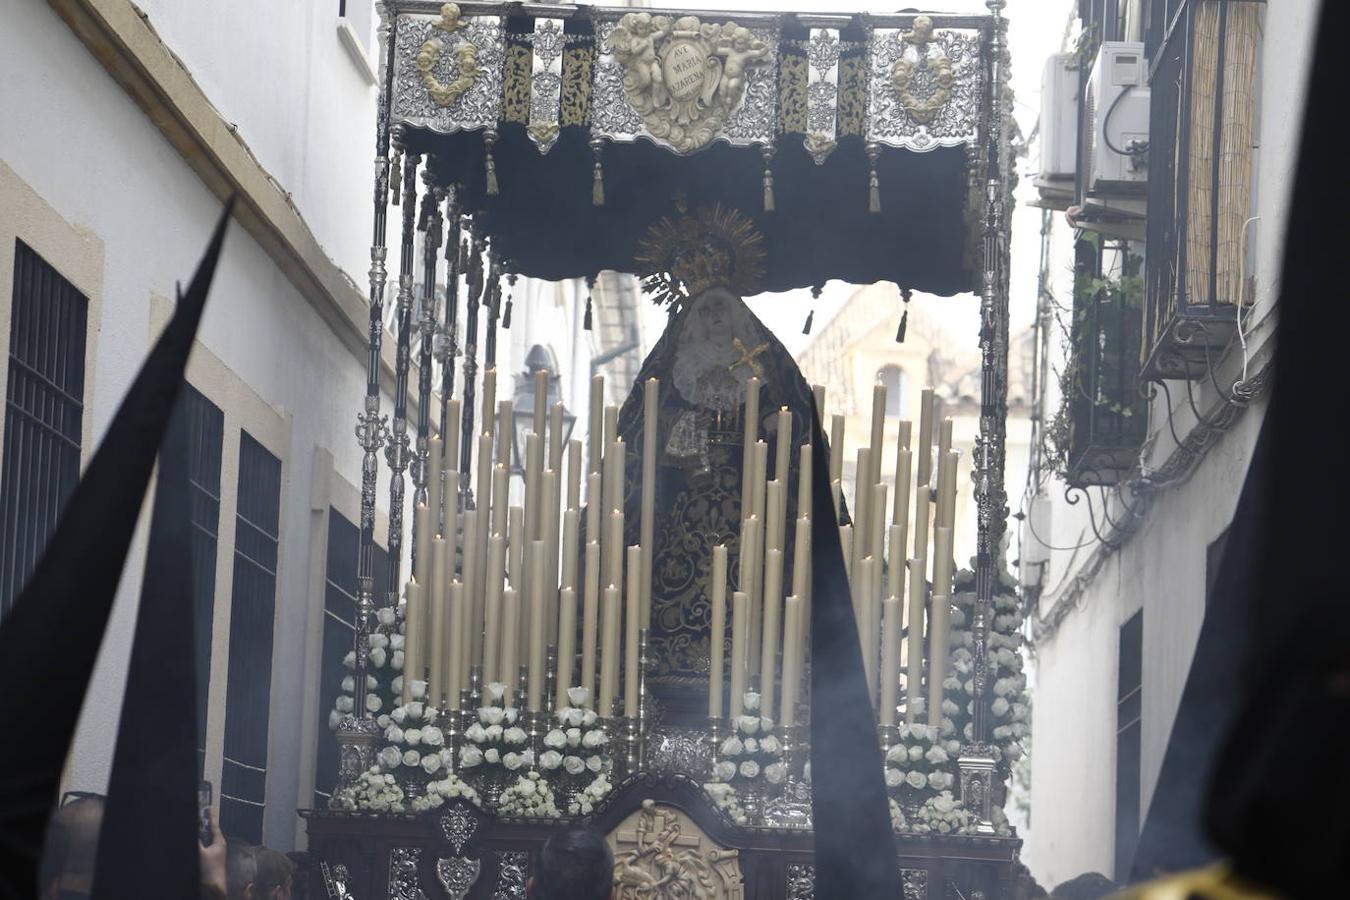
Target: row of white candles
517, 588
770, 631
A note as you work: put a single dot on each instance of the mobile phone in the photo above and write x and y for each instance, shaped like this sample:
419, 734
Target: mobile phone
204, 833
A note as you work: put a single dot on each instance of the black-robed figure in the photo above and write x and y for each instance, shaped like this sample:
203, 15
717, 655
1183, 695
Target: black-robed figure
702, 265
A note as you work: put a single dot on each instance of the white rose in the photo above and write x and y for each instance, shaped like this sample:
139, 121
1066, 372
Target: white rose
494, 732
492, 755
806, 772
373, 703
496, 690
416, 709
916, 780
949, 708
396, 641
594, 763
345, 704
379, 657
447, 757
412, 758
399, 714
953, 748
588, 718
470, 756
334, 719
397, 662
414, 735
937, 780
509, 715
770, 745
348, 684
433, 736
1000, 707
749, 769
491, 715
514, 735
898, 754
725, 770
732, 746
747, 724
382, 720
418, 689
378, 641
396, 686
937, 756
390, 757
475, 733
386, 615
512, 761
393, 734
894, 778
573, 737
578, 696
1013, 751
372, 682
430, 763
574, 765
350, 659
750, 701
550, 759
774, 773
916, 753
593, 739
751, 745
555, 739
765, 725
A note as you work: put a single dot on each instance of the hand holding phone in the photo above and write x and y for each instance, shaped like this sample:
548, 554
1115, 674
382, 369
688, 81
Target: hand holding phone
204, 832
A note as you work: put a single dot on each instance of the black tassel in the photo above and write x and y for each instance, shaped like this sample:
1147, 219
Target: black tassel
810, 317
586, 322
900, 332
506, 314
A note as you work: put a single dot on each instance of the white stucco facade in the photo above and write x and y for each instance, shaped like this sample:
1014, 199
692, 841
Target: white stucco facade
1085, 590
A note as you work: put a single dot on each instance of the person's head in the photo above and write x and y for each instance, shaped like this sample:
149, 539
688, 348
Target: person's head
575, 864
1088, 886
241, 869
273, 879
71, 848
305, 866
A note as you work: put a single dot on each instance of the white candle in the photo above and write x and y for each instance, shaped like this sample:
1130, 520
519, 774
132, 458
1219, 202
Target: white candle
877, 536
862, 502
951, 460
740, 610
454, 412
647, 526
534, 694
611, 426
925, 436
492, 608
574, 474
596, 430
944, 437
846, 542
540, 401
914, 672
782, 445
555, 437
804, 484
890, 657
818, 396
489, 401
570, 537
750, 434
435, 481
484, 521
505, 432
836, 448
895, 586
590, 616
510, 644
941, 614
533, 470
548, 533
426, 530
878, 435
567, 645
609, 653
614, 541
867, 637
902, 457
942, 560
769, 640
469, 576
632, 624
451, 499
717, 634
595, 507
412, 657
792, 654
515, 548
452, 680
501, 498
801, 556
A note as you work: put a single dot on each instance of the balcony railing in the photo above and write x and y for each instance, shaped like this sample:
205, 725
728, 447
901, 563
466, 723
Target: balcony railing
1107, 417
1201, 136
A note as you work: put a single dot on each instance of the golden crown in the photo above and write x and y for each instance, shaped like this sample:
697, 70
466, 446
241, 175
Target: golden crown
715, 246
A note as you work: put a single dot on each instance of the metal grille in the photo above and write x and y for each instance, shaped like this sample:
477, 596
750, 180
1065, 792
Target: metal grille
44, 410
339, 617
249, 682
204, 424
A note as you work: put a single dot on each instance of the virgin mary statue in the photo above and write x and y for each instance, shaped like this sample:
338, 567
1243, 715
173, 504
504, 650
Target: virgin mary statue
700, 265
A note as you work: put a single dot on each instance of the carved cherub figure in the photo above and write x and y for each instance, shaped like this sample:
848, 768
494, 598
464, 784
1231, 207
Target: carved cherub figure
634, 42
739, 50
450, 18
922, 33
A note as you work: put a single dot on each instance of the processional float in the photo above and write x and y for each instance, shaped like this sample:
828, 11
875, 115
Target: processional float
503, 684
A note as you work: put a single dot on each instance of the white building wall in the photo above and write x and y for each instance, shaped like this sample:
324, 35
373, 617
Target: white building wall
1162, 568
91, 154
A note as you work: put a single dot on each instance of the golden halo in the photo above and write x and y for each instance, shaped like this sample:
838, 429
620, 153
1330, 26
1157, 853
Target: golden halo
716, 246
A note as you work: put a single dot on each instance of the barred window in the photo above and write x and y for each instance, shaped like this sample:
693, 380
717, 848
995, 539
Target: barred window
339, 624
248, 687
203, 424
44, 414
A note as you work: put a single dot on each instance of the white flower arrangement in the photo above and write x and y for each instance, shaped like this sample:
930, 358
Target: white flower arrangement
724, 798
752, 751
495, 739
919, 763
585, 802
373, 791
439, 792
577, 744
529, 797
384, 672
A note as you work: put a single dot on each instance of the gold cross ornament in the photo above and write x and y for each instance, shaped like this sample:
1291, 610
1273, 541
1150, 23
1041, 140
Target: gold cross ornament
748, 357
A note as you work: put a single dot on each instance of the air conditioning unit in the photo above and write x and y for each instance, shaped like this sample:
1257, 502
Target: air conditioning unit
1059, 118
1116, 109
